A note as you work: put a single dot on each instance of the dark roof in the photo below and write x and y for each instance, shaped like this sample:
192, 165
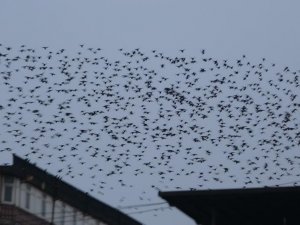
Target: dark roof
249, 206
54, 186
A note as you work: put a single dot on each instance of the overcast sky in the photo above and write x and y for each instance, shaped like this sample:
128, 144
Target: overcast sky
268, 28
225, 29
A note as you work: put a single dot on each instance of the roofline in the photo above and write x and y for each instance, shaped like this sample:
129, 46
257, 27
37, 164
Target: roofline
227, 191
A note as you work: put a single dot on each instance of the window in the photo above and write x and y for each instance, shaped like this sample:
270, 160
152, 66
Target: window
62, 219
43, 205
74, 217
8, 187
27, 196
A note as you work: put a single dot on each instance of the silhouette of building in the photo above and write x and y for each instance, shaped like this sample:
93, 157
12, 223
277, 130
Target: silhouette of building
31, 196
253, 206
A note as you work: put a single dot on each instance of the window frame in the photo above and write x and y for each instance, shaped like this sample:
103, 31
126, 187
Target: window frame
27, 197
5, 185
63, 214
74, 217
44, 205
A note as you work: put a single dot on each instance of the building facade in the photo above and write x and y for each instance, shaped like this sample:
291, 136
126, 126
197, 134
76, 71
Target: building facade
31, 196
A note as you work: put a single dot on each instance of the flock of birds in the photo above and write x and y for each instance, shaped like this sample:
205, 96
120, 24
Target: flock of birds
175, 122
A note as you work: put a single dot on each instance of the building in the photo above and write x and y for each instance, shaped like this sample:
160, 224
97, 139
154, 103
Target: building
31, 196
251, 206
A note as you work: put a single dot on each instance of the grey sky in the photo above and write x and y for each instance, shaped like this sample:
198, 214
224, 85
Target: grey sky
226, 29
266, 28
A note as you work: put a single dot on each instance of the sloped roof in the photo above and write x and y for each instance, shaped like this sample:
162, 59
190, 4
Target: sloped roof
252, 206
63, 191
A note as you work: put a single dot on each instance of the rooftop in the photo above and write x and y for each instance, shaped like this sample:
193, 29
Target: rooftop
249, 206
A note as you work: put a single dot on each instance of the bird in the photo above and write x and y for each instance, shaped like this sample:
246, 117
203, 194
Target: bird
180, 120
